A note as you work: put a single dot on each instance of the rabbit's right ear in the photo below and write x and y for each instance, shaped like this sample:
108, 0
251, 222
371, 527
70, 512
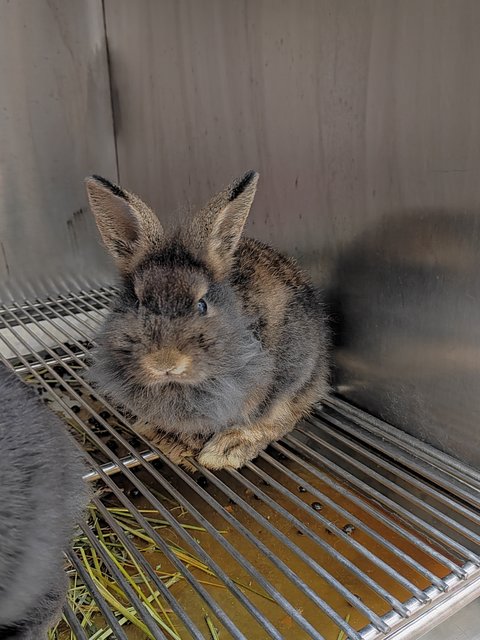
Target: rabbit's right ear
128, 227
215, 230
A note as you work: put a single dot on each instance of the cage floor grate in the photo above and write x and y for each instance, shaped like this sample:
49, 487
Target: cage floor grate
348, 528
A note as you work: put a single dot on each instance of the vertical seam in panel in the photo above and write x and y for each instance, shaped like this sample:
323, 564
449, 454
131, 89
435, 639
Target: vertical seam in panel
110, 84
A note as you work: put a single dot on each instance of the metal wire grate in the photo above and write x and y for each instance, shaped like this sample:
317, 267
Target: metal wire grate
348, 525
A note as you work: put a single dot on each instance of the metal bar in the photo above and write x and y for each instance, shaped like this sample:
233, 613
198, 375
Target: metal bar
422, 504
334, 529
415, 466
106, 295
51, 300
39, 365
75, 313
396, 604
129, 461
86, 301
394, 506
89, 305
79, 315
133, 551
341, 534
65, 348
108, 468
66, 319
348, 595
150, 622
274, 593
162, 545
232, 550
73, 623
414, 446
106, 611
280, 564
378, 515
83, 365
186, 573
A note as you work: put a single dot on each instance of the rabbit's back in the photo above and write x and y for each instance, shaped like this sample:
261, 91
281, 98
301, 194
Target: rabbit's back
41, 496
289, 314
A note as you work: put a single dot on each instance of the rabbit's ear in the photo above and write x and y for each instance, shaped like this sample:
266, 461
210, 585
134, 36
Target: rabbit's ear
217, 228
128, 227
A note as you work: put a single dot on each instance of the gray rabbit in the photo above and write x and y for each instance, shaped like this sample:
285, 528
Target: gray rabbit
42, 496
218, 344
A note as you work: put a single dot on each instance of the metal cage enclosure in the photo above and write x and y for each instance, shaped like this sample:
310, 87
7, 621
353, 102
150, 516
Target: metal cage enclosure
362, 118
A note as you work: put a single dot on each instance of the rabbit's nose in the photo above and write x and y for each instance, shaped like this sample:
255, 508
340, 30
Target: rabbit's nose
175, 370
165, 362
179, 368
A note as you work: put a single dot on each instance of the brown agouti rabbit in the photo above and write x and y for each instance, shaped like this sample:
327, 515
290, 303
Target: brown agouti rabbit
216, 343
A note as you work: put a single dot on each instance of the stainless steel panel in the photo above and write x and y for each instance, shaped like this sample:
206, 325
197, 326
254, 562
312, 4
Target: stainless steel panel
461, 626
408, 284
362, 118
55, 128
205, 90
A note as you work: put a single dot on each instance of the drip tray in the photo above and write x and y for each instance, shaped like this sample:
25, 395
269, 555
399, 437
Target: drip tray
347, 528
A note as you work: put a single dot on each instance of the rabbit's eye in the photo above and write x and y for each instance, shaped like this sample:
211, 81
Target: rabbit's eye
202, 307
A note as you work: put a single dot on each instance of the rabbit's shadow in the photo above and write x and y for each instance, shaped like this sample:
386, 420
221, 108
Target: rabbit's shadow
404, 302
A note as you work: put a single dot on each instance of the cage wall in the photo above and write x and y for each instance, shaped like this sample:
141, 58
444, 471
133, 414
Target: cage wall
55, 128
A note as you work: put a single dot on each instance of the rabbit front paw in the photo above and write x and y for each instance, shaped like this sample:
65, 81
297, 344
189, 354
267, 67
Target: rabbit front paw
177, 451
230, 449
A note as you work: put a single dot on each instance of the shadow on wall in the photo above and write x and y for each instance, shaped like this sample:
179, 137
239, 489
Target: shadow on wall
405, 305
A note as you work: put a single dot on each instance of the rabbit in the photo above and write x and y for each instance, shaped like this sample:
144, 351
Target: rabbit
42, 496
218, 344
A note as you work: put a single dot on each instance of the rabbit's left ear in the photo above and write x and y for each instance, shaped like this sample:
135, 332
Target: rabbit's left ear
217, 228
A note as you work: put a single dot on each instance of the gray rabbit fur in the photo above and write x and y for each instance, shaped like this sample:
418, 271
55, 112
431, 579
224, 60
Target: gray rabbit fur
42, 496
217, 344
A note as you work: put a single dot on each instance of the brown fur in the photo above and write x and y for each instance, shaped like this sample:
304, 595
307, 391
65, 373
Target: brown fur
224, 384
179, 450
